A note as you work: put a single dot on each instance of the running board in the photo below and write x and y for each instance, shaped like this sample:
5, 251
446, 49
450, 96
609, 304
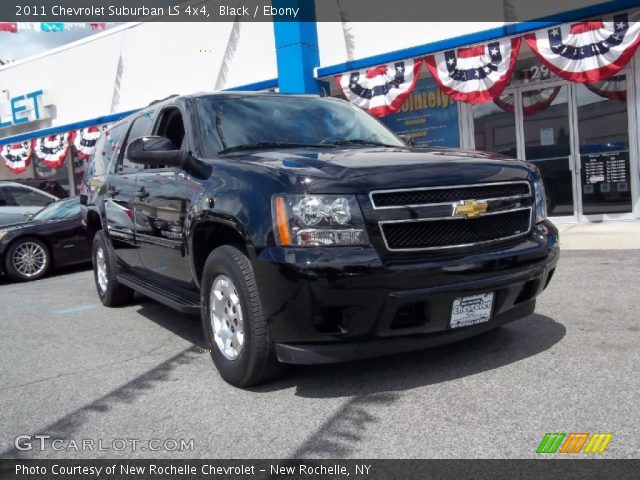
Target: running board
180, 299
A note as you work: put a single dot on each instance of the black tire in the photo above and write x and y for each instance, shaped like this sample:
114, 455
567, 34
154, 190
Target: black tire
256, 362
113, 294
40, 250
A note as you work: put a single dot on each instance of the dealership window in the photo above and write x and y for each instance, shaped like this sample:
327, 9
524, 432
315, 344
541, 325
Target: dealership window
428, 115
495, 126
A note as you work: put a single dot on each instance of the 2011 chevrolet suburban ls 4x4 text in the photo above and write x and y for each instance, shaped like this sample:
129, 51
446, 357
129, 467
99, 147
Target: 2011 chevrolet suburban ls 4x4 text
303, 231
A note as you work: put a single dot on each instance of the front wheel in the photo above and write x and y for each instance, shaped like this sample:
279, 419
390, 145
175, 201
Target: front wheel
27, 259
233, 321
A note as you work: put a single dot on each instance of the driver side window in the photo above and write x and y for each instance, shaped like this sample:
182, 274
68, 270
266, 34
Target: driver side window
171, 126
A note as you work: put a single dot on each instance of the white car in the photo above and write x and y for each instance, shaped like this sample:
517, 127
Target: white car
18, 202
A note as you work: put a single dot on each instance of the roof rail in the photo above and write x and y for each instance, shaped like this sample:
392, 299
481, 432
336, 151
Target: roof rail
162, 99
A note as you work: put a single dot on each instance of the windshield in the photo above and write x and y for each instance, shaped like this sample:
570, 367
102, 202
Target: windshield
264, 121
61, 209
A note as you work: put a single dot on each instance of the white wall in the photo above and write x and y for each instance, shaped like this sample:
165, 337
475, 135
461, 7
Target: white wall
158, 59
368, 39
372, 38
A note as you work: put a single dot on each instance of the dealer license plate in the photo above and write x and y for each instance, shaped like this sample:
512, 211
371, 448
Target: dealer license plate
471, 310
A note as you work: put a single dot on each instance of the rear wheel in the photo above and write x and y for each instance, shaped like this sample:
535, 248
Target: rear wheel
233, 321
27, 259
105, 269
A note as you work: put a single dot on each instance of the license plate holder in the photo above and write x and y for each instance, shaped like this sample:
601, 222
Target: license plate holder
471, 310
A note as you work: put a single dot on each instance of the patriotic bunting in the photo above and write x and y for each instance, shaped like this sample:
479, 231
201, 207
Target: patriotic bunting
475, 74
588, 51
533, 101
85, 141
52, 150
17, 156
614, 88
380, 90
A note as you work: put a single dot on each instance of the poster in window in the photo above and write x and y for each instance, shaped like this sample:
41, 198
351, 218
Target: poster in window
428, 115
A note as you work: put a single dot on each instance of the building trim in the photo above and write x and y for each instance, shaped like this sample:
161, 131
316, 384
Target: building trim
477, 37
252, 87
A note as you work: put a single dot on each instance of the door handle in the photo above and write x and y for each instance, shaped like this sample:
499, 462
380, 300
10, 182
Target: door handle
142, 193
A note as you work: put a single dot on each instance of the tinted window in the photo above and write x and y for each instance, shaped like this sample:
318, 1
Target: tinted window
140, 127
25, 197
3, 202
248, 120
56, 211
100, 162
112, 145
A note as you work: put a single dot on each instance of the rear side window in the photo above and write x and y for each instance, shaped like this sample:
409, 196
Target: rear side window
100, 162
140, 127
25, 197
3, 201
112, 145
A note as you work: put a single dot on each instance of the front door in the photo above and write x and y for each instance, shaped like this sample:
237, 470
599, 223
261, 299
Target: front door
604, 170
162, 206
547, 142
578, 136
122, 190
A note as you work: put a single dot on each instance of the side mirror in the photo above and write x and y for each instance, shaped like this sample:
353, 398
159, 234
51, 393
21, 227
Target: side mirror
408, 139
155, 151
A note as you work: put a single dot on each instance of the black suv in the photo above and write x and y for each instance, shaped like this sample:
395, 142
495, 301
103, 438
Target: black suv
303, 231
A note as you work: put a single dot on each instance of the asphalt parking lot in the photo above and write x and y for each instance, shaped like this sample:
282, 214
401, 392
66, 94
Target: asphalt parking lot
75, 370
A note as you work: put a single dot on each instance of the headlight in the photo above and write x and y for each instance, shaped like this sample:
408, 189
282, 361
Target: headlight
3, 233
312, 220
540, 200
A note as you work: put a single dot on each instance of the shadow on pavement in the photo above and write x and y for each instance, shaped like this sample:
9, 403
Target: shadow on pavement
379, 382
186, 326
54, 272
503, 346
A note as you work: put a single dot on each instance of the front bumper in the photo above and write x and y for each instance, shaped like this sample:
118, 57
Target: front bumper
337, 304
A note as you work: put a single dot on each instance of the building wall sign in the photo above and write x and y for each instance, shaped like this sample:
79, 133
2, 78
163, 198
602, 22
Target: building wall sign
21, 109
428, 116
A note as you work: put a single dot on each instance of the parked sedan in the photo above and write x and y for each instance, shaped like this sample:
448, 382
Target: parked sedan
55, 236
18, 202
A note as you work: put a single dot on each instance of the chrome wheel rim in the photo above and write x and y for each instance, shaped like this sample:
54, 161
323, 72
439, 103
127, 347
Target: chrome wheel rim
101, 270
227, 321
29, 259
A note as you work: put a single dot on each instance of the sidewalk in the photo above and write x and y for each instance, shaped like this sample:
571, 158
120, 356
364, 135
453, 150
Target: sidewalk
600, 236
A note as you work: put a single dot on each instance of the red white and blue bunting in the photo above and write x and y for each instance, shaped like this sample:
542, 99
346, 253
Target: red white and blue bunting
17, 156
588, 51
475, 74
381, 90
614, 88
533, 101
85, 141
52, 150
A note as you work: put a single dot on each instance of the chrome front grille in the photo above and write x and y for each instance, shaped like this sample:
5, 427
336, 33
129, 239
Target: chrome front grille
479, 214
417, 197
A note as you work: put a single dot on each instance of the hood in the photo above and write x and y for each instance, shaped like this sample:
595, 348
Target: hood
20, 225
359, 170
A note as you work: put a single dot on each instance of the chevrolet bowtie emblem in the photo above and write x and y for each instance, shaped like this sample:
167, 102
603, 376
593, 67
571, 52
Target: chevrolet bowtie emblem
470, 208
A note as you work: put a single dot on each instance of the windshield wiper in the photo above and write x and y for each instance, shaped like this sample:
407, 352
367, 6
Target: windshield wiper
266, 145
361, 141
